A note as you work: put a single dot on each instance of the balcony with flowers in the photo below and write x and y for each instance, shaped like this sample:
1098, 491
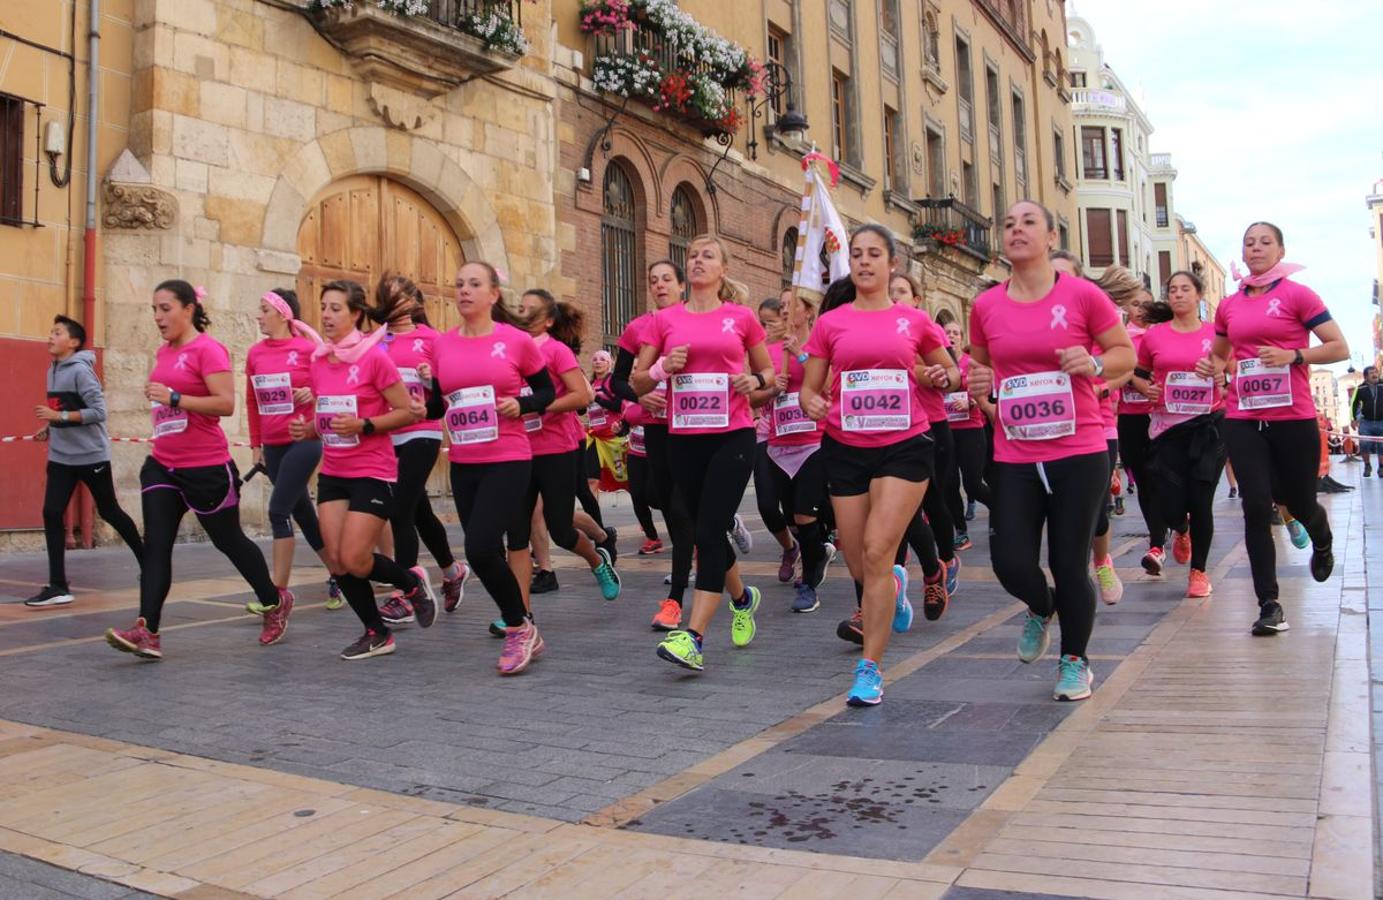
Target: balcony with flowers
424, 46
946, 222
653, 52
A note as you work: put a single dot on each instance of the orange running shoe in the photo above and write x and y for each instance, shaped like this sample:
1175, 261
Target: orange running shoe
1198, 585
669, 617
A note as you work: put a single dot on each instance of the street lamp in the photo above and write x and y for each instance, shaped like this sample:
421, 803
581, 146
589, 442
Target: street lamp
777, 86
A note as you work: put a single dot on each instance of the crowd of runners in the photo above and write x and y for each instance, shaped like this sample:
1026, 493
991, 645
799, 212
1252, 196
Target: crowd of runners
868, 430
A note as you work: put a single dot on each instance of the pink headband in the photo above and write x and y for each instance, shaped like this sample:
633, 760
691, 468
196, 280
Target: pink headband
280, 306
602, 356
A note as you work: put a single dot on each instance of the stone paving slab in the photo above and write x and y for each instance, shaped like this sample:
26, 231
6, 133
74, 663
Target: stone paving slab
26, 879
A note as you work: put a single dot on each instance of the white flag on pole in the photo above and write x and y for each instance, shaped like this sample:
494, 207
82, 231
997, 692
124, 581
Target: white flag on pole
823, 244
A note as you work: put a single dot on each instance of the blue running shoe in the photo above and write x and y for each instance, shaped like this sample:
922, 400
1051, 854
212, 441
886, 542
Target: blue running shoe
1035, 639
1074, 679
497, 628
902, 608
1297, 532
868, 689
952, 576
806, 600
606, 576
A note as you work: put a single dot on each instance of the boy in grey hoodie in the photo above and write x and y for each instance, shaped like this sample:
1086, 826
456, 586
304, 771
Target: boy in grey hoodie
74, 418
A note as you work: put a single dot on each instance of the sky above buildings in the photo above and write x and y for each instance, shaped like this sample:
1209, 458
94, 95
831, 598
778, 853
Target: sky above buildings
1270, 110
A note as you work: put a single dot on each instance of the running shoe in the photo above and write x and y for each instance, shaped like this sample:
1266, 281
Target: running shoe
669, 616
454, 586
371, 643
902, 607
952, 576
868, 688
1153, 560
396, 610
1277, 516
739, 536
1271, 620
1118, 506
970, 511
521, 644
852, 629
650, 547
138, 640
787, 566
544, 582
742, 627
806, 600
667, 579
1297, 533
1181, 546
935, 598
962, 542
1111, 588
422, 598
680, 648
605, 575
276, 619
49, 596
611, 544
334, 598
1322, 562
1073, 680
1368, 469
1233, 492
1035, 639
496, 628
818, 575
1132, 487
1198, 584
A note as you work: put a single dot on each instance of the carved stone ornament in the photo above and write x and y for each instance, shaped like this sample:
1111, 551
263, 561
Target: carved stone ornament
398, 109
133, 206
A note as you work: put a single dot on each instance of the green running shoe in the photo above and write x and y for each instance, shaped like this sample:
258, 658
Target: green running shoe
1297, 532
680, 648
606, 576
742, 627
1074, 678
1035, 639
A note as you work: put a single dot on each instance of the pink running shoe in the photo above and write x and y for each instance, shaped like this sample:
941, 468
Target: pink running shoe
138, 640
520, 646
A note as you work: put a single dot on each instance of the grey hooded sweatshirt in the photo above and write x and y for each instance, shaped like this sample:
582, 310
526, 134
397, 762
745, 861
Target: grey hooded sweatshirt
73, 385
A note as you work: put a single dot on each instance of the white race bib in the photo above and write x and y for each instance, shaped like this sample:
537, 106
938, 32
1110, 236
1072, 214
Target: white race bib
788, 417
875, 400
329, 408
273, 394
597, 416
636, 441
957, 405
700, 400
1261, 386
413, 383
471, 415
167, 420
1186, 393
1037, 407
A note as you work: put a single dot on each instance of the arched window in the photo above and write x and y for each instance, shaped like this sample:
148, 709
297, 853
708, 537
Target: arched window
789, 255
682, 214
619, 254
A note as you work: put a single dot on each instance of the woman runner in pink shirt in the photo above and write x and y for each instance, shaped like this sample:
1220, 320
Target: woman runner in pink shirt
877, 451
1187, 453
1030, 339
483, 366
1263, 334
358, 399
699, 349
278, 388
190, 390
973, 445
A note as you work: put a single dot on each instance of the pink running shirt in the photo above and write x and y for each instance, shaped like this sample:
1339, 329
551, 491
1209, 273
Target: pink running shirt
873, 355
933, 401
475, 373
700, 396
184, 439
1023, 340
410, 350
1132, 403
556, 432
788, 425
975, 415
1164, 351
355, 390
273, 370
1281, 317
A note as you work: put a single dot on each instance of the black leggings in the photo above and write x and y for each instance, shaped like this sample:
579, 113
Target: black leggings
554, 477
290, 467
669, 500
934, 501
361, 596
1186, 462
712, 471
1134, 451
62, 481
166, 496
804, 495
489, 501
1275, 461
972, 454
582, 487
1102, 519
773, 500
411, 516
1065, 495
640, 493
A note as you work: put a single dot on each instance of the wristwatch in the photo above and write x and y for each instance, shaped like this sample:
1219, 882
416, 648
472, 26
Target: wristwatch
174, 398
1298, 359
368, 427
1098, 363
763, 383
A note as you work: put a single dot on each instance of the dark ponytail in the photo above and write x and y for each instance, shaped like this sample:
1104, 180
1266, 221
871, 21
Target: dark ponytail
568, 321
838, 293
188, 296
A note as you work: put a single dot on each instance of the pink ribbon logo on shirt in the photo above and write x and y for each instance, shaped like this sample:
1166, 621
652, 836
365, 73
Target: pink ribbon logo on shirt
1275, 306
292, 357
904, 327
1205, 345
1058, 317
497, 351
727, 325
181, 362
353, 375
417, 345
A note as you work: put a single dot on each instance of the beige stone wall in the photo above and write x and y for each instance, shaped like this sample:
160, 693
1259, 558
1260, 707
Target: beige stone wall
245, 113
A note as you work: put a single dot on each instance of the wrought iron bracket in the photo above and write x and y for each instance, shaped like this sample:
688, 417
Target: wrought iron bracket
602, 137
726, 140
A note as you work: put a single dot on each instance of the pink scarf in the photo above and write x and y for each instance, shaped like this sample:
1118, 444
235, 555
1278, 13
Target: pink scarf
351, 347
1276, 273
281, 307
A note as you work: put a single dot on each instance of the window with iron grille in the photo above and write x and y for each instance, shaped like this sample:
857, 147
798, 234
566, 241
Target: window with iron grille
684, 225
620, 289
11, 160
